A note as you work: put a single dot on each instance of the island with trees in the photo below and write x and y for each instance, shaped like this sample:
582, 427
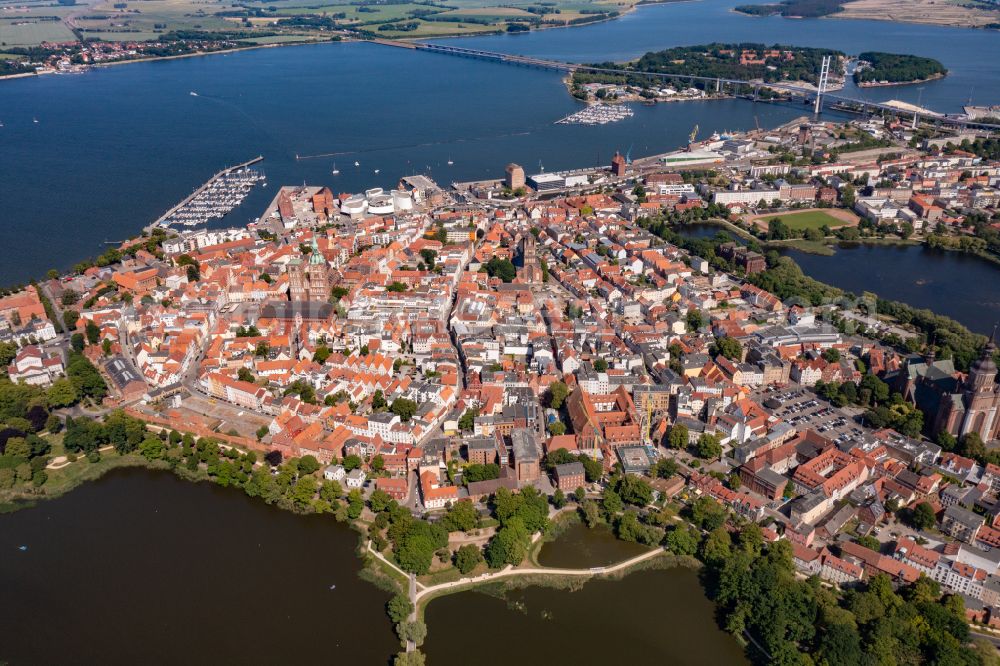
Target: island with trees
793, 8
890, 69
777, 63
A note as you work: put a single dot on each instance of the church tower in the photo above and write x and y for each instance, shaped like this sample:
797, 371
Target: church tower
532, 271
309, 280
979, 393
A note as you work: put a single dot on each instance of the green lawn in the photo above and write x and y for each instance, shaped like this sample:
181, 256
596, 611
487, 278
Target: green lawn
813, 219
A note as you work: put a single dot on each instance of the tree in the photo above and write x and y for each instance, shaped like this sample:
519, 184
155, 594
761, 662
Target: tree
847, 195
501, 268
592, 468
321, 354
378, 400
729, 347
628, 528
509, 545
468, 420
85, 377
461, 517
678, 437
557, 394
600, 365
379, 501
151, 448
93, 332
708, 447
351, 462
682, 540
429, 256
404, 408
399, 608
245, 375
557, 428
590, 512
632, 489
468, 558
559, 498
308, 464
70, 317
415, 658
478, 472
707, 514
665, 468
717, 546
612, 502
355, 503
923, 517
415, 631
62, 393
77, 342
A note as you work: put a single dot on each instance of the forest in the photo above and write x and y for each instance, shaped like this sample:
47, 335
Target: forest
896, 68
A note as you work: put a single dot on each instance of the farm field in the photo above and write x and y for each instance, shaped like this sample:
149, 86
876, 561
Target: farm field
22, 22
25, 31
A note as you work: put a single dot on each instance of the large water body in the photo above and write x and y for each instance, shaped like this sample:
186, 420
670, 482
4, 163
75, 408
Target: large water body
141, 567
115, 147
959, 286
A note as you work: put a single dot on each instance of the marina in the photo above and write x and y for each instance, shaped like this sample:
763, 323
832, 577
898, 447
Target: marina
216, 198
598, 114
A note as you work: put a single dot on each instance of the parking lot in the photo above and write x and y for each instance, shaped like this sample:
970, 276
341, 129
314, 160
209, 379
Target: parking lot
802, 409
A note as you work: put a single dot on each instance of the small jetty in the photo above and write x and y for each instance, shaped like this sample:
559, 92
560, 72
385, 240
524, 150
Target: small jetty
598, 114
215, 199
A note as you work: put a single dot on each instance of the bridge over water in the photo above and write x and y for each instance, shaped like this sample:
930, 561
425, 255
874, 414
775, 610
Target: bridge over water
749, 88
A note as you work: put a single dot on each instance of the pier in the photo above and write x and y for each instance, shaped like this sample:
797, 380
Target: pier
201, 190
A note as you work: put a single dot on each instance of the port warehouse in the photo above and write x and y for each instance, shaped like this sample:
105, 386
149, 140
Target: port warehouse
545, 182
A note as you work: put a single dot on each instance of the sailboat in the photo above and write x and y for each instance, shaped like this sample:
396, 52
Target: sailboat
356, 163
450, 162
335, 169
34, 120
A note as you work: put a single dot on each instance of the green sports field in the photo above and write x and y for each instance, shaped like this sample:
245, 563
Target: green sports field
812, 219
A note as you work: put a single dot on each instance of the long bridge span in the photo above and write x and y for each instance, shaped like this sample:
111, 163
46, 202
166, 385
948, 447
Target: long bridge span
750, 88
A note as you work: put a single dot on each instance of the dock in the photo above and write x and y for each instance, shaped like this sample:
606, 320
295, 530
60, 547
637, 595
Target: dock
225, 172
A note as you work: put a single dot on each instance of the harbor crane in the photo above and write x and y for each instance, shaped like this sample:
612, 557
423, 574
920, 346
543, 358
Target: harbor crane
691, 138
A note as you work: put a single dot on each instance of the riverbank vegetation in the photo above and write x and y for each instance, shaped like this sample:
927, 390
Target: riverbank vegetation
876, 67
785, 620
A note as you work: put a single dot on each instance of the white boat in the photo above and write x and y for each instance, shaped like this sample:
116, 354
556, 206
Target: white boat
376, 170
193, 94
357, 164
335, 169
34, 120
450, 162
